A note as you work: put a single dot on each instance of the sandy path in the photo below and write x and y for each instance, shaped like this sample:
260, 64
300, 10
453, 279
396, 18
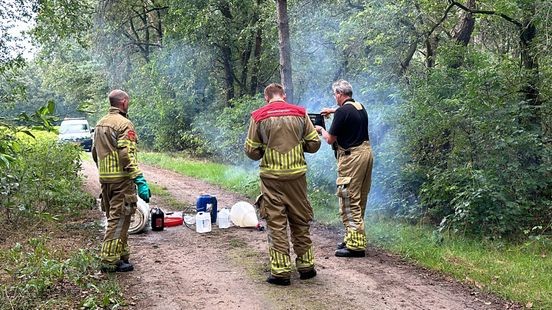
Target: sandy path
225, 269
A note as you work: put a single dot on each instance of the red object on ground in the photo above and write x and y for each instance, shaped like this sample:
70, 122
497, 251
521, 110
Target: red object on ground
173, 221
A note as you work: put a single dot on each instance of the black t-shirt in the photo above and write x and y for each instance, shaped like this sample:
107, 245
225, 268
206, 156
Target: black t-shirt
350, 125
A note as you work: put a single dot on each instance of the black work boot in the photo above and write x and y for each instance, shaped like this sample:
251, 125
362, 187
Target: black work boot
304, 275
123, 266
119, 266
341, 245
278, 281
349, 253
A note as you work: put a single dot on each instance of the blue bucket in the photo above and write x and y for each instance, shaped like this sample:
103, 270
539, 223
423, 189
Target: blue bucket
207, 203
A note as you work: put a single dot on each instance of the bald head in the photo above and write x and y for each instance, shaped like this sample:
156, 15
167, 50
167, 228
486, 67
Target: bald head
117, 97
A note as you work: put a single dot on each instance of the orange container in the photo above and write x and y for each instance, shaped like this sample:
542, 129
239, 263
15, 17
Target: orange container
173, 221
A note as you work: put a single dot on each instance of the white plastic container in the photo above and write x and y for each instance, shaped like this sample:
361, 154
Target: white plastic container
140, 220
189, 219
203, 222
223, 218
243, 214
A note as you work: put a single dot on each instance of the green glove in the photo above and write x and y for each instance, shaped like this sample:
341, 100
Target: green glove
143, 188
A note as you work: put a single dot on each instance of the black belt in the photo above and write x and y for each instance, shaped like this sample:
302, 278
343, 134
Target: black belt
347, 151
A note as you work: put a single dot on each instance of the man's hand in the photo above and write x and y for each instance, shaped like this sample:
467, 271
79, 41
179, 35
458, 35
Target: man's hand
318, 129
143, 188
327, 111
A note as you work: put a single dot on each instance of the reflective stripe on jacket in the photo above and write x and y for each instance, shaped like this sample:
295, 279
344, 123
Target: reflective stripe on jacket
279, 136
114, 149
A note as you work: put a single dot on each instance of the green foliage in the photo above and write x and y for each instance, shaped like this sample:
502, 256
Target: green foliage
19, 12
519, 272
10, 143
37, 277
478, 167
226, 131
42, 180
166, 95
63, 20
234, 33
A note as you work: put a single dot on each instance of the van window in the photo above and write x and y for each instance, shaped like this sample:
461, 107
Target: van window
73, 128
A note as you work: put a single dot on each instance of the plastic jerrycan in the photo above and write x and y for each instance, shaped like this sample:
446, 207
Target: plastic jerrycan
224, 218
207, 203
203, 222
157, 219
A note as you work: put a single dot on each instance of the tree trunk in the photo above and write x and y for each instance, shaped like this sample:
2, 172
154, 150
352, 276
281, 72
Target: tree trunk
462, 33
405, 63
254, 85
256, 60
285, 48
246, 59
147, 33
529, 62
464, 28
226, 52
431, 46
229, 75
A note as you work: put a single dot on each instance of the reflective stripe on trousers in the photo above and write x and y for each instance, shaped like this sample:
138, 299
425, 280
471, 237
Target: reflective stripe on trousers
285, 203
354, 181
120, 205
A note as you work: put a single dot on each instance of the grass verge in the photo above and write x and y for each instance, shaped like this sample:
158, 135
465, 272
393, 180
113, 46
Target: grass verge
518, 272
51, 265
49, 236
232, 178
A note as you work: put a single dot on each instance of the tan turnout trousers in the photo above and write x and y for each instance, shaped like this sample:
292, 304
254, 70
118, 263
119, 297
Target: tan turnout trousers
280, 201
354, 169
119, 203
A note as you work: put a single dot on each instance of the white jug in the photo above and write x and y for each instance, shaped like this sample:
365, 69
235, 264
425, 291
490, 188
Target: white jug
203, 222
223, 218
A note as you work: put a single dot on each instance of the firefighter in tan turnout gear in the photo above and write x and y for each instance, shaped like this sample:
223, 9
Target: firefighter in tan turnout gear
349, 130
279, 134
114, 151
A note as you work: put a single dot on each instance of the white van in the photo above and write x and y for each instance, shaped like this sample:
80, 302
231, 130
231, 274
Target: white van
76, 130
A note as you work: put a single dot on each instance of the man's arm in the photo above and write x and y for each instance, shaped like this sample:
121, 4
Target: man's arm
126, 143
93, 151
254, 148
326, 135
338, 121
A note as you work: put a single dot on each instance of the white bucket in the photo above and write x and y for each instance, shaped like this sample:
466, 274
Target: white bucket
243, 214
203, 222
223, 218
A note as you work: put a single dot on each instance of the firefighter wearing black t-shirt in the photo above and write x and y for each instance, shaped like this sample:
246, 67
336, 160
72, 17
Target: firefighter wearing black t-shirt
349, 130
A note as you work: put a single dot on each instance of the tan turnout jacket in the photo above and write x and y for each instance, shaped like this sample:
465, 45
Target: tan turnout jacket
279, 134
114, 148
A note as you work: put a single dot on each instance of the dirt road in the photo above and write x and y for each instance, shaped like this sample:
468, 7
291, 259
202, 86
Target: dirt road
226, 269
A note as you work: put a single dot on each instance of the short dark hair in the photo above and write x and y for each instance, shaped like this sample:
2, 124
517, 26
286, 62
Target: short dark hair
274, 89
116, 97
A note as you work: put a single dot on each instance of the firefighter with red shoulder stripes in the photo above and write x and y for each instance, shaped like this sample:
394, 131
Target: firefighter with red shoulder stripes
279, 135
349, 136
114, 151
